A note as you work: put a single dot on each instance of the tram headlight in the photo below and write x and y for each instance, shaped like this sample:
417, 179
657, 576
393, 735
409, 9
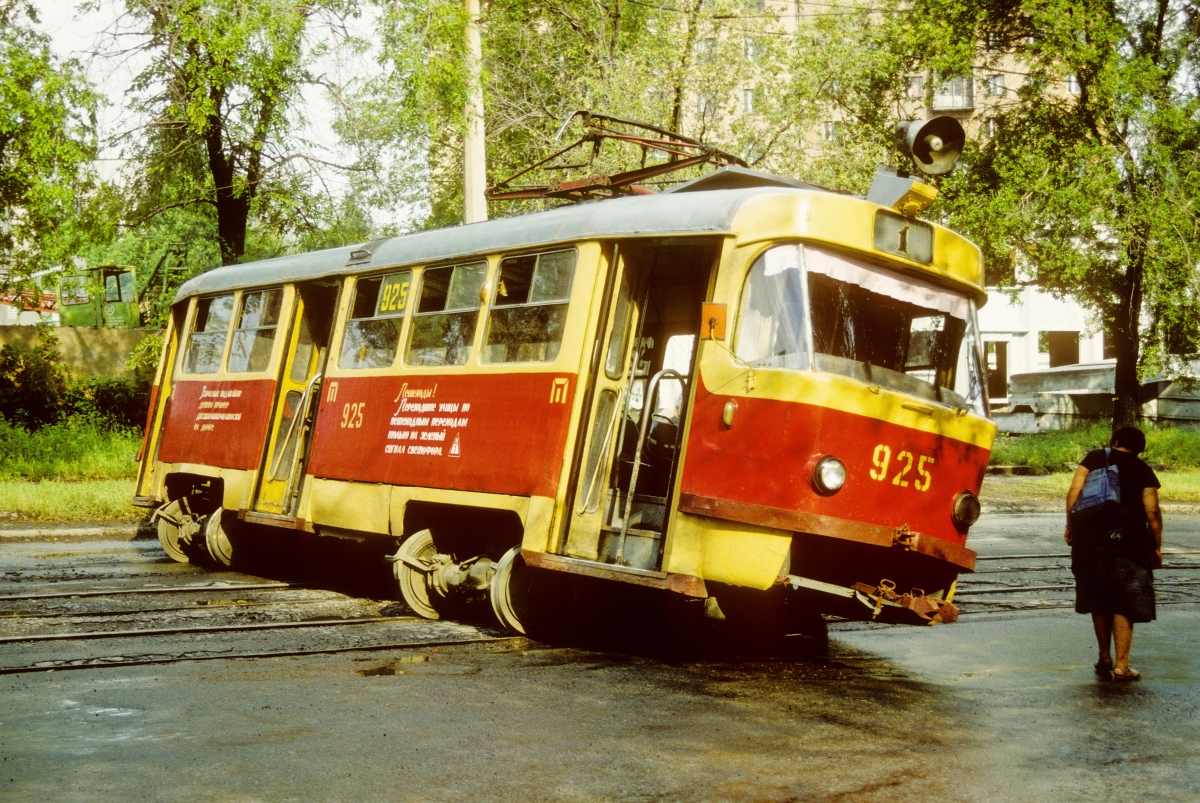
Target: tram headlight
829, 475
966, 510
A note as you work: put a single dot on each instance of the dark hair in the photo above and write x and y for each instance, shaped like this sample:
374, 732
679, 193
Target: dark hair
1130, 438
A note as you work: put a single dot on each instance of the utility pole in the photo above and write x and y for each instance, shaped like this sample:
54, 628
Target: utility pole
474, 154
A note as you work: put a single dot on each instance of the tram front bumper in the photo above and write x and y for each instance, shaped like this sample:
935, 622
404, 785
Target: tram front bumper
880, 603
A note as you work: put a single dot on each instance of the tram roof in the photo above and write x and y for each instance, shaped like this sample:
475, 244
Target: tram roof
661, 215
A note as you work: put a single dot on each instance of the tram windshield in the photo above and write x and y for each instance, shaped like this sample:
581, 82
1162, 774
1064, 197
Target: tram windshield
865, 322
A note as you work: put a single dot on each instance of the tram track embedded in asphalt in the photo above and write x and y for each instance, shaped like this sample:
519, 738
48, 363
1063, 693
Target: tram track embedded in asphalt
123, 661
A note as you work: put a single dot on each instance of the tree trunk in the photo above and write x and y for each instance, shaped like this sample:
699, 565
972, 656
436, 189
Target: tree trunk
689, 47
1126, 325
233, 210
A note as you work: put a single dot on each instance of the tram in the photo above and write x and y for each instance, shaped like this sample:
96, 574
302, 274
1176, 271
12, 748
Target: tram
743, 385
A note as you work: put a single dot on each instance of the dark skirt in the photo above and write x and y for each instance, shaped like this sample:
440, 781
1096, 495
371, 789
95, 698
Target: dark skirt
1106, 581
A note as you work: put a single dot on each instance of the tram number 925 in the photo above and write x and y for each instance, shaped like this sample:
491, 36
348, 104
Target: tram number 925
905, 463
352, 415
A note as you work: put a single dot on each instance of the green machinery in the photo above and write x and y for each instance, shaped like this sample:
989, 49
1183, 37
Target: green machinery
105, 296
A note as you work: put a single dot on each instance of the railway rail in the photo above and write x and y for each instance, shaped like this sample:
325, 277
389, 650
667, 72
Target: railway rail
1010, 585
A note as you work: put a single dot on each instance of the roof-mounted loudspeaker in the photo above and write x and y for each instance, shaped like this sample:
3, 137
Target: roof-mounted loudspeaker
934, 145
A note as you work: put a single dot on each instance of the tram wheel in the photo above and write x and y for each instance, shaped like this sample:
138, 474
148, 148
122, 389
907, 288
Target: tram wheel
177, 531
412, 566
510, 591
221, 547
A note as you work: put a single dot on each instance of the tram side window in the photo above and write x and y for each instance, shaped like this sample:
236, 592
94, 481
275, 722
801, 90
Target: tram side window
206, 343
376, 313
530, 308
255, 334
112, 289
771, 331
444, 322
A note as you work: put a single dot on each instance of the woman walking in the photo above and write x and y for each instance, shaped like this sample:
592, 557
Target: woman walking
1114, 550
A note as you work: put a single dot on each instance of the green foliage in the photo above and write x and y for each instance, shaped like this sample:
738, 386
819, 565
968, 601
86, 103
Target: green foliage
717, 71
51, 500
223, 88
1051, 451
142, 362
1090, 185
47, 111
1170, 448
110, 402
33, 383
78, 449
36, 392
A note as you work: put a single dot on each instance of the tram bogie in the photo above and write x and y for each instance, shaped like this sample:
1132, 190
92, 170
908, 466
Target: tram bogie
759, 393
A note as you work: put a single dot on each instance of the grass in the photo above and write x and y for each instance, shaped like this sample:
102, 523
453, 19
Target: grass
1167, 449
73, 451
79, 470
51, 500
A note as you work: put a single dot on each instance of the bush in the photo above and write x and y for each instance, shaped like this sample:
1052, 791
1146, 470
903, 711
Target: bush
33, 382
119, 403
35, 390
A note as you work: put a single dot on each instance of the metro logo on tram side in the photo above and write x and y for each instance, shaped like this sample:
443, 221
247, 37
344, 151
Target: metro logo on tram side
746, 382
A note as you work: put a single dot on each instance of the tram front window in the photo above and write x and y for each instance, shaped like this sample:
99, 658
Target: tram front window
871, 324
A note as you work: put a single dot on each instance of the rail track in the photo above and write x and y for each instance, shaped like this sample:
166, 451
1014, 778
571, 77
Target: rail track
1031, 590
91, 609
43, 626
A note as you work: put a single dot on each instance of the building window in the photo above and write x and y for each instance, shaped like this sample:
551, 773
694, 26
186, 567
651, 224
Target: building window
1062, 347
749, 100
990, 127
832, 130
994, 85
1073, 87
955, 93
752, 47
916, 87
704, 49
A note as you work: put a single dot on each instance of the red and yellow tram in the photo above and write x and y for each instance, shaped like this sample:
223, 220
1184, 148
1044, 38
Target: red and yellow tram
744, 383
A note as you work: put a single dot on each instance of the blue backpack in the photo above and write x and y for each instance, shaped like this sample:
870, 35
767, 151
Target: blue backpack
1102, 486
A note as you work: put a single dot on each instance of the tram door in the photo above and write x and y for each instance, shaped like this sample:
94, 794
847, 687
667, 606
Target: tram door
623, 497
296, 403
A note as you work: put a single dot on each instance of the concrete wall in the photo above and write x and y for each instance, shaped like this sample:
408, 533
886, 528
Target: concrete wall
85, 352
1065, 397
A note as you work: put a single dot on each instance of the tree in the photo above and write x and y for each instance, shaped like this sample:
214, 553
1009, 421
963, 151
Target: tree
222, 95
1092, 178
719, 71
47, 125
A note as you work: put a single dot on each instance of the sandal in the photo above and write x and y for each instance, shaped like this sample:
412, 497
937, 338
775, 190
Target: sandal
1126, 674
1103, 666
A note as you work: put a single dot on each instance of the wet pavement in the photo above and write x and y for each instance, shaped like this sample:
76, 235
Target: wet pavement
362, 701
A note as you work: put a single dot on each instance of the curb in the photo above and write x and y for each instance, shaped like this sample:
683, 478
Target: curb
114, 531
1012, 471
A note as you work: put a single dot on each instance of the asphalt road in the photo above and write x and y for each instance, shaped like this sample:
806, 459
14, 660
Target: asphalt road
361, 701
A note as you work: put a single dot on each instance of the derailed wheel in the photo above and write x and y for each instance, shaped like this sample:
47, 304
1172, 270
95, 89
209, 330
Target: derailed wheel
511, 591
217, 541
412, 566
178, 528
